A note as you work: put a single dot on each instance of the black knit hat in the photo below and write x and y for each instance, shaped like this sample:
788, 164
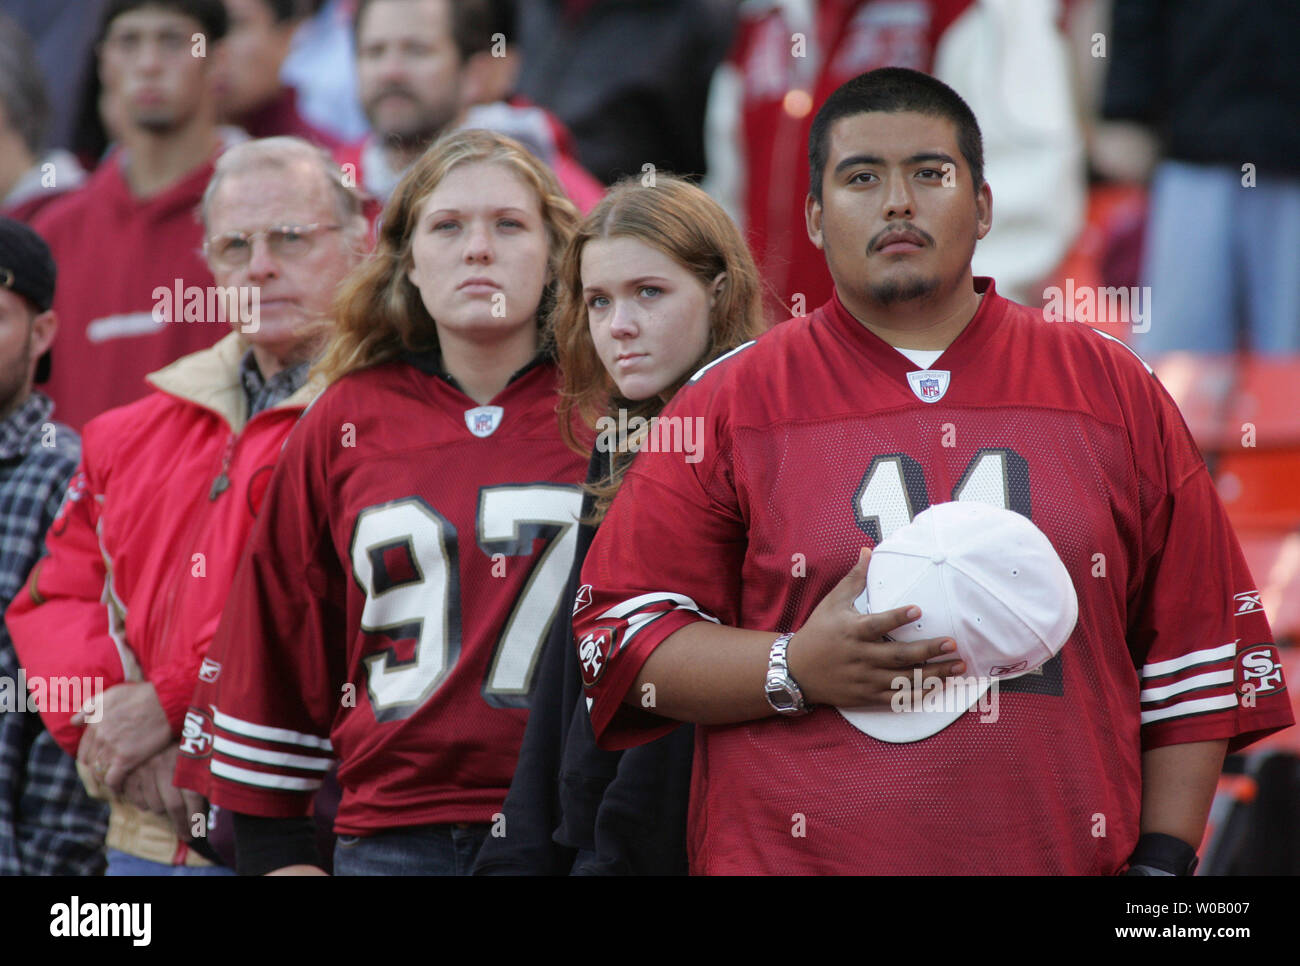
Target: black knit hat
27, 269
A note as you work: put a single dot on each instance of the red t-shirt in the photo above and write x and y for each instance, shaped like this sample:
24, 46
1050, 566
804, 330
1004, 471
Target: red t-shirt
816, 444
390, 610
113, 251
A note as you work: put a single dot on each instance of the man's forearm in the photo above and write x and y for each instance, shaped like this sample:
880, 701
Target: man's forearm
1178, 783
708, 674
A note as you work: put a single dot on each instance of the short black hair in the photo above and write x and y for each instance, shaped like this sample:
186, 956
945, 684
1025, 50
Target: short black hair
211, 14
893, 90
471, 25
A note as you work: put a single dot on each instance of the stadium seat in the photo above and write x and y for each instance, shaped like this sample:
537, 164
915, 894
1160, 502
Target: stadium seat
1242, 412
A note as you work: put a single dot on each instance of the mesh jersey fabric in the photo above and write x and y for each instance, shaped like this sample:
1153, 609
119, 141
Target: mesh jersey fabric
402, 576
816, 445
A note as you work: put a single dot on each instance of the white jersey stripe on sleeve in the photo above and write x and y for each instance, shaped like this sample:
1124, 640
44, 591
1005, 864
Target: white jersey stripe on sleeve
722, 358
246, 776
1194, 706
633, 604
1220, 653
1187, 684
234, 749
266, 733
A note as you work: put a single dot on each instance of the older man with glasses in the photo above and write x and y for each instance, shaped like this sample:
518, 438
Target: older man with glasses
144, 548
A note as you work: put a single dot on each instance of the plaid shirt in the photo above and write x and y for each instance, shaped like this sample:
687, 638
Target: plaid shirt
48, 824
263, 393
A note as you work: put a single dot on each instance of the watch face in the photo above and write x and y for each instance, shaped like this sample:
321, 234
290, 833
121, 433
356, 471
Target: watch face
779, 697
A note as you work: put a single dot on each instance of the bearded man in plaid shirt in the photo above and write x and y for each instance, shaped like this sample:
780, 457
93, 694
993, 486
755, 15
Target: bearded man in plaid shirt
48, 824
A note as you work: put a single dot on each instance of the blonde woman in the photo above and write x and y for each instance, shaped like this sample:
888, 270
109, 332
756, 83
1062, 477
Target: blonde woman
414, 541
656, 283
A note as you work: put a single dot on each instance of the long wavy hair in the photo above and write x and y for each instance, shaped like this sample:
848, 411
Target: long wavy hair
680, 220
378, 311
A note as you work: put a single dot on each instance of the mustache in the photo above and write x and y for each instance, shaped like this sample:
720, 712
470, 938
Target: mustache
899, 228
398, 89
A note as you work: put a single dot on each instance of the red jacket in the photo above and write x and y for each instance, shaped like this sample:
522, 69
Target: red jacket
142, 554
113, 251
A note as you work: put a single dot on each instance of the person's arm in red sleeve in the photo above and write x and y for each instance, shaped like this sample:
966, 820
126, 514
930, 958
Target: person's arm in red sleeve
1211, 677
660, 642
60, 621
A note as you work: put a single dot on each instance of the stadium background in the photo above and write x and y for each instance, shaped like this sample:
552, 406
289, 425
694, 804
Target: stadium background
670, 83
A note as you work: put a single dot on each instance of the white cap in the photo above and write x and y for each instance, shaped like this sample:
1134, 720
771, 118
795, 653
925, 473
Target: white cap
983, 576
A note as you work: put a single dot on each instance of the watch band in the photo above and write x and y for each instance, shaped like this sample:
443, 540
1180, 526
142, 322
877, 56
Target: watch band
783, 692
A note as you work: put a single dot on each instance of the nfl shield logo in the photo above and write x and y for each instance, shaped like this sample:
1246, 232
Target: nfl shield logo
929, 385
483, 420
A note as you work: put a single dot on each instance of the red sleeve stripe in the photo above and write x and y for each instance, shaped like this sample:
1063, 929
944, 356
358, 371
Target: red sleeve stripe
266, 733
1195, 683
245, 776
233, 749
1196, 706
1208, 655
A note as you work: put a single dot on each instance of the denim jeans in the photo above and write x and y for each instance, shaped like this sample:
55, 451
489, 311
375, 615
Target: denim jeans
123, 863
419, 850
1221, 256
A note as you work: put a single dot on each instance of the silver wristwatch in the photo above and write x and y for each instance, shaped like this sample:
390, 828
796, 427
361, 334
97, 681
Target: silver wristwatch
783, 692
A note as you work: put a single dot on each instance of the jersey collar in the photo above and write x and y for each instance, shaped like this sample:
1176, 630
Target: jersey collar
956, 357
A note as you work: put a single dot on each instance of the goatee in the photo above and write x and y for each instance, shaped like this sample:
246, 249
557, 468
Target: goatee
904, 290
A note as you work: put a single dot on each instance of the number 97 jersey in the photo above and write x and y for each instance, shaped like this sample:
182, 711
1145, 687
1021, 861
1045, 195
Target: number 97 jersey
406, 567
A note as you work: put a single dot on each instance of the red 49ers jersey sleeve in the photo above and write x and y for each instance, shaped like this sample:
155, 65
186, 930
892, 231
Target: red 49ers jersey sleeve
256, 737
676, 513
1199, 637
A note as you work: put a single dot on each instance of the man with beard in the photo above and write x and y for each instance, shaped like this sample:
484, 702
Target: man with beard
916, 384
48, 825
130, 231
424, 68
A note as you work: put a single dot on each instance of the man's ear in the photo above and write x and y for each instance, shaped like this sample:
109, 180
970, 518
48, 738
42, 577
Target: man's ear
812, 213
45, 326
983, 210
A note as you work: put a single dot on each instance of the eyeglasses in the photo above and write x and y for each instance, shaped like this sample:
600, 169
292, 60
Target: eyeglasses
233, 249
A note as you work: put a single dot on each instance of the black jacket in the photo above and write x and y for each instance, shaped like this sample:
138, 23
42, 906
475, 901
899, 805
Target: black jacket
1217, 79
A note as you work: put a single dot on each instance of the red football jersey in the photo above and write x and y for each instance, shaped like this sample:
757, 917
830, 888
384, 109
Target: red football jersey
820, 439
408, 562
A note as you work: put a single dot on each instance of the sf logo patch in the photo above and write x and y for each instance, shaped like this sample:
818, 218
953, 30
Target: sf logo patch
1261, 669
196, 735
593, 654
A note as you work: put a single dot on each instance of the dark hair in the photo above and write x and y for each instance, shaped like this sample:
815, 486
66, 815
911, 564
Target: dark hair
893, 90
282, 11
211, 14
22, 86
471, 25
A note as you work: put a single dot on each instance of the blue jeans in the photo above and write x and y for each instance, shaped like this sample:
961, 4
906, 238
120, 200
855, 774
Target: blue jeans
419, 850
1221, 257
123, 863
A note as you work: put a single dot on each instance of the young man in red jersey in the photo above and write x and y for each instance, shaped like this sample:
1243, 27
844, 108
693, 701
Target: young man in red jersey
917, 384
131, 228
